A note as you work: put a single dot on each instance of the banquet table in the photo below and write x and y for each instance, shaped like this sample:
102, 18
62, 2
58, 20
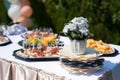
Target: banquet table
12, 68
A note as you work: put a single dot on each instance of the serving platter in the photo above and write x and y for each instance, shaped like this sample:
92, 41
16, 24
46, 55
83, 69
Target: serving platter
112, 54
103, 48
5, 42
26, 58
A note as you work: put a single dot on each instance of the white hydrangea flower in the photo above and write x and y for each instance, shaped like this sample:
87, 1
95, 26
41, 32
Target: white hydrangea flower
78, 24
84, 31
66, 27
80, 21
70, 26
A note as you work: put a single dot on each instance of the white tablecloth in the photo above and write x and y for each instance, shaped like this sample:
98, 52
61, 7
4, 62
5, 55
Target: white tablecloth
21, 68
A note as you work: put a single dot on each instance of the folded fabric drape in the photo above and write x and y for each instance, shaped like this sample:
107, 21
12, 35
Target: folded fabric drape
10, 70
21, 72
46, 76
5, 69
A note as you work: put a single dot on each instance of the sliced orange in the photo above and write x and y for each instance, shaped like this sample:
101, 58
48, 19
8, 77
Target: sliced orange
45, 41
52, 38
30, 38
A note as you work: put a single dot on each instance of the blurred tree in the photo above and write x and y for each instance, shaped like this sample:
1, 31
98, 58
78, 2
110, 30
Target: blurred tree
103, 16
40, 16
3, 14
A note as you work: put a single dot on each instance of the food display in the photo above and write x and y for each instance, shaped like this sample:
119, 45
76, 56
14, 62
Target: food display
4, 40
37, 38
39, 45
33, 41
100, 46
43, 51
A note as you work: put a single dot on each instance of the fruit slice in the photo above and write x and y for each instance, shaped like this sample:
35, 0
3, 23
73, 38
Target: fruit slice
46, 41
33, 40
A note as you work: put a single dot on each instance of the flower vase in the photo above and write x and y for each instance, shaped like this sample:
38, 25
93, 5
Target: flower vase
78, 47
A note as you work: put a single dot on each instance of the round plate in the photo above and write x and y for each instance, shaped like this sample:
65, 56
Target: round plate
82, 64
6, 42
112, 54
90, 54
113, 51
79, 70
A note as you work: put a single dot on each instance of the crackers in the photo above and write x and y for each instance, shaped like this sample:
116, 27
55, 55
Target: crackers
100, 46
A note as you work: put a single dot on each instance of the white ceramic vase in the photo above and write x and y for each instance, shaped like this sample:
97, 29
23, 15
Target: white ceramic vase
78, 46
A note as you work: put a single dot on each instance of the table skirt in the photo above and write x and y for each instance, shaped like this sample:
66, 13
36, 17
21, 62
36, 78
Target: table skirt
10, 70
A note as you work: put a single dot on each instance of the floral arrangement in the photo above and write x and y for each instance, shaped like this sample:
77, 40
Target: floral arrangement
77, 28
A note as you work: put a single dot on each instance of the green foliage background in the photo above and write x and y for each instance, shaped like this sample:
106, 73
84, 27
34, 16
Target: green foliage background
103, 16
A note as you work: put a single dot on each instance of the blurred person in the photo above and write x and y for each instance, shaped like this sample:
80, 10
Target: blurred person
19, 11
